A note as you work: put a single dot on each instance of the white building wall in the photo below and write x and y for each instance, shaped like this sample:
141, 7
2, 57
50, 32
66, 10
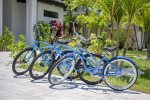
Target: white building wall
43, 6
1, 17
18, 18
7, 11
31, 20
139, 36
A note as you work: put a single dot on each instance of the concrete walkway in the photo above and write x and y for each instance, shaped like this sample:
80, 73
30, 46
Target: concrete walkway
24, 88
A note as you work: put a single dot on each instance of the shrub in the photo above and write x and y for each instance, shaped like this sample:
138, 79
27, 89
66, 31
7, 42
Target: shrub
99, 43
17, 46
6, 39
43, 31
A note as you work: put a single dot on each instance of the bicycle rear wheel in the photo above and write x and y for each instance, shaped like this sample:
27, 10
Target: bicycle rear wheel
74, 74
84, 75
40, 65
120, 74
22, 61
64, 65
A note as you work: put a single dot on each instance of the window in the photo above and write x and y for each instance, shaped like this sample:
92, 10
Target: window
50, 14
22, 1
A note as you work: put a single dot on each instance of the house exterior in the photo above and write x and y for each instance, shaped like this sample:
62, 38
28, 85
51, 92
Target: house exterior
21, 15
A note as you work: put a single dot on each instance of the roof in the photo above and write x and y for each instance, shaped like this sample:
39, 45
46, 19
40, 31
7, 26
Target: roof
55, 2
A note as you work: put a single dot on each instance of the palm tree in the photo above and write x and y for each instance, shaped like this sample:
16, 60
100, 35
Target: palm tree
142, 20
131, 7
146, 24
113, 8
118, 16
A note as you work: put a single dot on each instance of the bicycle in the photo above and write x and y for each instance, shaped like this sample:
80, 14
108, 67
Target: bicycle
24, 58
119, 73
78, 52
40, 64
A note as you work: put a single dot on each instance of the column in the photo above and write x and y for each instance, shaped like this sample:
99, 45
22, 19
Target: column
31, 20
1, 17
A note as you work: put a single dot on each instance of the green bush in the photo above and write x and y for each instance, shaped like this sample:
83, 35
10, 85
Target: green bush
43, 31
6, 39
99, 43
17, 46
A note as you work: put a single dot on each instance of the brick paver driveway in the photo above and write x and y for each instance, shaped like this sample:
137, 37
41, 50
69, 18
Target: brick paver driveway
24, 88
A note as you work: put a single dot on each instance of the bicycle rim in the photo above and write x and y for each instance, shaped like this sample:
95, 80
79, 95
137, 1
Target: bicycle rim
40, 65
120, 74
65, 65
22, 61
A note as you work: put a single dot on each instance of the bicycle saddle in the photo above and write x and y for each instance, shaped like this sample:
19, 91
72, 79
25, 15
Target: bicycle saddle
66, 42
110, 49
85, 44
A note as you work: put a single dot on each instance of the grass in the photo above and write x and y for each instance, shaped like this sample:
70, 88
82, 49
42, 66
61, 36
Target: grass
143, 81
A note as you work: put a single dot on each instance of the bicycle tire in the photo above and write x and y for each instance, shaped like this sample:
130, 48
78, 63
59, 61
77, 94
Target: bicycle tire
80, 74
125, 70
14, 69
52, 69
71, 76
39, 69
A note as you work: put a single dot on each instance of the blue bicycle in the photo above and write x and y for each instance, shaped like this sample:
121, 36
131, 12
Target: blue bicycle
78, 52
40, 64
119, 72
24, 58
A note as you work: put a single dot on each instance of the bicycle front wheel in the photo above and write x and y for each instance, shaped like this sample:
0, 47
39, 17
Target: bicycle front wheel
85, 75
64, 65
22, 61
40, 65
120, 74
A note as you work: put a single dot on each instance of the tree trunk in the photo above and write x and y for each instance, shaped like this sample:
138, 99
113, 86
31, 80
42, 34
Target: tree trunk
118, 37
71, 26
136, 39
85, 31
142, 38
112, 28
148, 47
126, 39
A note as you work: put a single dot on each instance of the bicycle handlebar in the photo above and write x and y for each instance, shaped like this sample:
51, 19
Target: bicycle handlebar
81, 37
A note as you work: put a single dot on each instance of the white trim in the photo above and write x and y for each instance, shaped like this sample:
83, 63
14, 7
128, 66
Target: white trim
1, 17
31, 19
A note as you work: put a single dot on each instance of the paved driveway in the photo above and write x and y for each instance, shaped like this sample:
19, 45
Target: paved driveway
24, 88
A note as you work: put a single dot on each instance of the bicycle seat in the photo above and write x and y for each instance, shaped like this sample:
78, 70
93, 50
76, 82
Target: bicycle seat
110, 49
66, 42
85, 44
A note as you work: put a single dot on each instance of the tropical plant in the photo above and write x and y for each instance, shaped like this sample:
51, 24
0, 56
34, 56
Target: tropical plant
145, 13
6, 39
17, 46
131, 7
43, 31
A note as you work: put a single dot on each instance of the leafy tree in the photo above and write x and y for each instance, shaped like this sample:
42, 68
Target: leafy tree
131, 7
145, 14
114, 9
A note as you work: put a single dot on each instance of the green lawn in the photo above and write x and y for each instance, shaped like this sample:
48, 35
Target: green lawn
143, 81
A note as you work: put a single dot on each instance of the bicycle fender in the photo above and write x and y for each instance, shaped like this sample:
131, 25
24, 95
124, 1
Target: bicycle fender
123, 57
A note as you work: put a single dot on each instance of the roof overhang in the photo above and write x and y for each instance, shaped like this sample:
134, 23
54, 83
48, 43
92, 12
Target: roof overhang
54, 2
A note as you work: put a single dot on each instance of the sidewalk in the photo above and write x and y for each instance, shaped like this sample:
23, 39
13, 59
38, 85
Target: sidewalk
24, 88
